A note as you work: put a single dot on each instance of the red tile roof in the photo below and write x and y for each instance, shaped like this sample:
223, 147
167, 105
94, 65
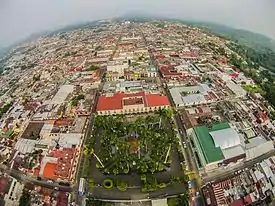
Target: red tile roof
49, 171
169, 71
63, 122
188, 54
115, 102
234, 75
75, 70
133, 101
155, 100
238, 202
160, 57
63, 168
62, 199
3, 185
110, 103
247, 199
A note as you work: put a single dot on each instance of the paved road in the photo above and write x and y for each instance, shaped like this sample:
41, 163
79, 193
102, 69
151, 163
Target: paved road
79, 199
219, 175
189, 159
25, 178
183, 137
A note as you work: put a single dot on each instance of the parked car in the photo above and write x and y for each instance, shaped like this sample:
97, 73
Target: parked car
189, 185
64, 183
184, 145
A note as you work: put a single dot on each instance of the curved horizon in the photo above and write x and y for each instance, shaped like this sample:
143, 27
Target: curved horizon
18, 19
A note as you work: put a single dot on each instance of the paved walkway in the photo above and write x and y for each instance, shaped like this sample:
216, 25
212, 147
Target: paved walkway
136, 194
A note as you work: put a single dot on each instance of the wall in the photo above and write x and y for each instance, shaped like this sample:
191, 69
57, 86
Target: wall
128, 111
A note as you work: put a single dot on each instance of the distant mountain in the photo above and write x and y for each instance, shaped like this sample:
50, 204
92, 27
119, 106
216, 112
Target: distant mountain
72, 27
139, 16
3, 52
244, 37
260, 45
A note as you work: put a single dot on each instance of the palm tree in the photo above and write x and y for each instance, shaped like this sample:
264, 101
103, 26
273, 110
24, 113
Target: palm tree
89, 152
160, 113
167, 154
183, 199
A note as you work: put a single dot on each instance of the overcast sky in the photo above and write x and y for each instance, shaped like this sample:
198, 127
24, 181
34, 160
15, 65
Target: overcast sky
20, 18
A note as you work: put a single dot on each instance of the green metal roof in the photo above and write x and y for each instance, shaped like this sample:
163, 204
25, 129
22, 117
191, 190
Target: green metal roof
220, 126
207, 145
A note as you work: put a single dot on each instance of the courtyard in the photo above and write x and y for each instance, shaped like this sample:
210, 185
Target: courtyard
138, 151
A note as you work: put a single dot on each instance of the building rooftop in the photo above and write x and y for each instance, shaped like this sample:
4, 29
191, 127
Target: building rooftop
25, 145
210, 151
132, 101
159, 202
254, 142
225, 138
220, 126
189, 94
62, 94
58, 164
49, 170
115, 101
233, 151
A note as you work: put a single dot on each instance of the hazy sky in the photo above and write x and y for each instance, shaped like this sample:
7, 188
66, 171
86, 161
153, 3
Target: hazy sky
20, 18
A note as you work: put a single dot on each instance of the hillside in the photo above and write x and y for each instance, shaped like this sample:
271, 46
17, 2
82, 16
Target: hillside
252, 46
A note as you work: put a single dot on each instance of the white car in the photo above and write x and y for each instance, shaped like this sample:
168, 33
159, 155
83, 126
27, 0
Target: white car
189, 185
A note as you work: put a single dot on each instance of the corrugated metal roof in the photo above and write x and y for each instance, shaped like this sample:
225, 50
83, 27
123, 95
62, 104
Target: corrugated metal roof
226, 138
211, 153
220, 126
233, 151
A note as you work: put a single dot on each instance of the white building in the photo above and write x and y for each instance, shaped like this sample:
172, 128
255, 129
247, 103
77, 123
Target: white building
62, 94
189, 96
117, 67
14, 194
257, 146
236, 89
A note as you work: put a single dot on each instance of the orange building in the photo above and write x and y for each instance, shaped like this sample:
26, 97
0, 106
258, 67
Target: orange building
121, 103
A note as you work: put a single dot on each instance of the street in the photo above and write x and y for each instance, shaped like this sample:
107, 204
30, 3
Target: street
221, 174
189, 160
25, 178
87, 136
